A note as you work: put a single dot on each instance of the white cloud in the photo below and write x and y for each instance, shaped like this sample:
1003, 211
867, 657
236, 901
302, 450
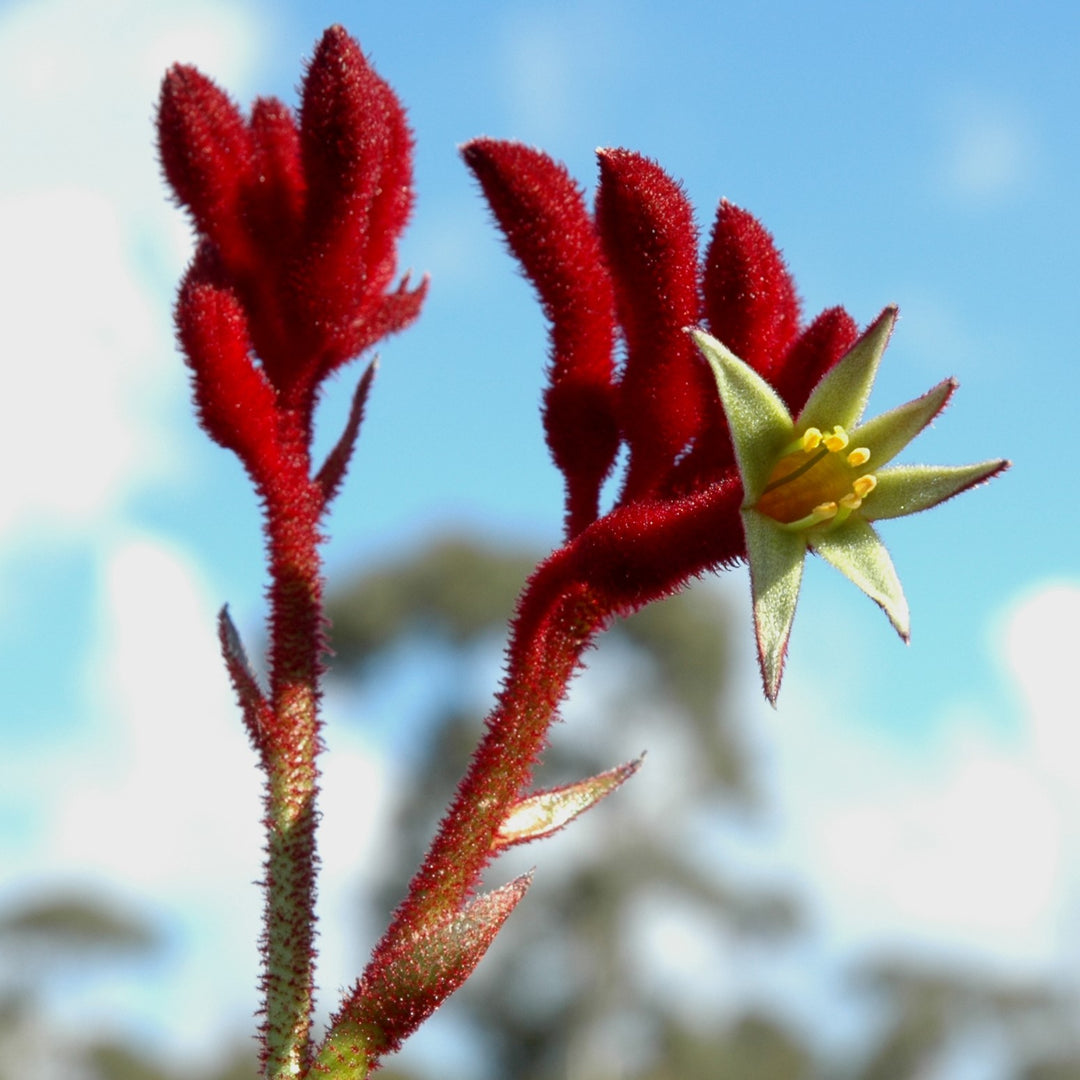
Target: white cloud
551, 62
158, 803
82, 374
1040, 644
963, 843
91, 248
987, 154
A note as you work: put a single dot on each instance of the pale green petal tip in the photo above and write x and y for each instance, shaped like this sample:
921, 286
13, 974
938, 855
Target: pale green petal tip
841, 397
759, 421
909, 489
858, 553
776, 565
888, 433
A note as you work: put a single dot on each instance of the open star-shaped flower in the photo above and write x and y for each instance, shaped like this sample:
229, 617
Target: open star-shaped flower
817, 482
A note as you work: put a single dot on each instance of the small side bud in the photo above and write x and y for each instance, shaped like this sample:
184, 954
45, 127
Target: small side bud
545, 812
404, 987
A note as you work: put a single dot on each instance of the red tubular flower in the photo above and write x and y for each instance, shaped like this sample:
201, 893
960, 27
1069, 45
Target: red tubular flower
641, 249
303, 219
678, 512
650, 241
749, 297
542, 212
297, 226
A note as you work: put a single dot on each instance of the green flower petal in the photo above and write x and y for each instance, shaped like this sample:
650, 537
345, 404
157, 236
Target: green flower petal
759, 421
886, 435
907, 489
858, 553
841, 396
776, 563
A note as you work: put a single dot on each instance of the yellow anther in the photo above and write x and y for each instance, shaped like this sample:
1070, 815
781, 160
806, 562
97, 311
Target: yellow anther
811, 439
859, 456
864, 485
837, 440
851, 501
824, 511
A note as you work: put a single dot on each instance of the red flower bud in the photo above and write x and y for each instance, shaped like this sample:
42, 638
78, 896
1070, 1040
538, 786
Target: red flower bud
207, 157
237, 406
542, 213
302, 222
650, 240
357, 156
749, 297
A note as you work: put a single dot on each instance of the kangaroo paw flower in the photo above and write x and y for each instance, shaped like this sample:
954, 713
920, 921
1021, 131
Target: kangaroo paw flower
816, 482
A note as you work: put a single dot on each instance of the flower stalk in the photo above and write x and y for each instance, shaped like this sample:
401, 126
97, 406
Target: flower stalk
741, 427
297, 219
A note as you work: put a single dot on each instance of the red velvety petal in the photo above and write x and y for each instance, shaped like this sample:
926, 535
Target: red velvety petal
647, 229
541, 211
749, 297
356, 151
235, 402
207, 157
392, 313
813, 353
275, 202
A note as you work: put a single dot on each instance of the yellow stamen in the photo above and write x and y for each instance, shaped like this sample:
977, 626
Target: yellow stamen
813, 484
837, 440
823, 512
864, 485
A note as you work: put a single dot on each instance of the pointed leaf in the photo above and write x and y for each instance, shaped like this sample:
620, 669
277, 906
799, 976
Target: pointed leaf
776, 565
841, 396
337, 461
887, 434
858, 553
759, 421
545, 812
403, 988
907, 489
812, 355
253, 703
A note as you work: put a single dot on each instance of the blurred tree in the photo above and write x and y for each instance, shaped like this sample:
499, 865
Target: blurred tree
627, 959
563, 986
52, 936
69, 925
569, 990
929, 1006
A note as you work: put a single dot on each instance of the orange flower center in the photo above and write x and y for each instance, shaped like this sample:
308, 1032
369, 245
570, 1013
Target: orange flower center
817, 480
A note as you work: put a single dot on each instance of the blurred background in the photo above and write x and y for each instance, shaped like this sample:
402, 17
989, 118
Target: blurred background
879, 880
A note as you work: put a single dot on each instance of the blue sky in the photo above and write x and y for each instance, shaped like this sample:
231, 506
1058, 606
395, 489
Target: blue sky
909, 153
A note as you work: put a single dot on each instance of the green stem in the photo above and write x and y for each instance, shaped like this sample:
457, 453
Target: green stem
292, 745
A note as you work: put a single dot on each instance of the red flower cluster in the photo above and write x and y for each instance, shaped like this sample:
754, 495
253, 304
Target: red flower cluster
298, 220
632, 268
629, 270
298, 224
